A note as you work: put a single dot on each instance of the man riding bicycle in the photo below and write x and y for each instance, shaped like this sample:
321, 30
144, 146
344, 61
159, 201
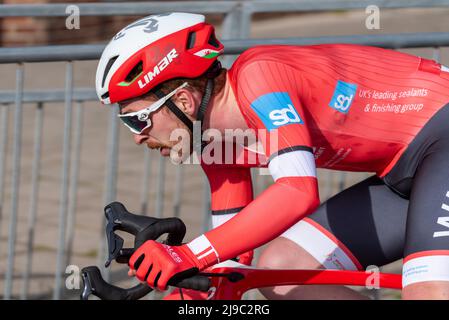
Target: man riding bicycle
342, 107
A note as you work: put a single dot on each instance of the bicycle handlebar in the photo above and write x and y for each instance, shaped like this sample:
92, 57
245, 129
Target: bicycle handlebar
143, 228
96, 285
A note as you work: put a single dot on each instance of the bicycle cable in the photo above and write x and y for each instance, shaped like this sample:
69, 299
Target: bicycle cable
231, 276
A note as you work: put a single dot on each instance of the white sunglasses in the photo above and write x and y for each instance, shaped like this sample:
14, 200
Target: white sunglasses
140, 120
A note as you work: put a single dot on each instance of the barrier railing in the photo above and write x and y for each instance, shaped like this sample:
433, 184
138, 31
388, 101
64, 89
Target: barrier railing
235, 26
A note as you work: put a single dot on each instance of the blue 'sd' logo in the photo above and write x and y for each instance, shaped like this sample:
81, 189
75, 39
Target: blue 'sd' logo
275, 110
343, 96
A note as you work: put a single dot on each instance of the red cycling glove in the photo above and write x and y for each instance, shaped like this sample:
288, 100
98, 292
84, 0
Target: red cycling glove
157, 263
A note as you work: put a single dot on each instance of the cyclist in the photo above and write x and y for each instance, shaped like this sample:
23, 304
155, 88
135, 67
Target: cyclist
338, 106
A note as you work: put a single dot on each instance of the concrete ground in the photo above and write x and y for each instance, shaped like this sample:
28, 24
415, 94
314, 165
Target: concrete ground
91, 186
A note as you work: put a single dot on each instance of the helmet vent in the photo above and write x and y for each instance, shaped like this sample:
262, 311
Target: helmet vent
134, 73
213, 41
191, 40
105, 96
108, 67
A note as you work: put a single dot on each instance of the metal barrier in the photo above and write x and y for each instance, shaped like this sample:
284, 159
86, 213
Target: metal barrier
235, 26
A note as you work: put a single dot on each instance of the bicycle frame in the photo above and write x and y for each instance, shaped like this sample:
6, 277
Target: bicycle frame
222, 288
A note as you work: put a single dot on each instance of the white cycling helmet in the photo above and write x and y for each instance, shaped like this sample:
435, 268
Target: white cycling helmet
152, 50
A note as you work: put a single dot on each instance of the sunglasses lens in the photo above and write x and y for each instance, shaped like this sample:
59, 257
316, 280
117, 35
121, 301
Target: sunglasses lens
134, 123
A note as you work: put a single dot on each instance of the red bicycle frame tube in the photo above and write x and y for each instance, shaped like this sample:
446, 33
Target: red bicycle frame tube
258, 278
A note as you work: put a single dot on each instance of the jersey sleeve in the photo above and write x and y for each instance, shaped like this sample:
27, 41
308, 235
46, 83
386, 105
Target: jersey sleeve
231, 191
269, 101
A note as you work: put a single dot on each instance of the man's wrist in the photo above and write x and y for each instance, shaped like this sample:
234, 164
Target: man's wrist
204, 252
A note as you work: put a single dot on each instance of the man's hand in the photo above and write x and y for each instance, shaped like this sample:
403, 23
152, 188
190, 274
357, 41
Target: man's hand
157, 263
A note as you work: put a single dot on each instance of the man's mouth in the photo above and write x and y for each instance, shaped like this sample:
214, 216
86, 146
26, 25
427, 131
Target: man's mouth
164, 150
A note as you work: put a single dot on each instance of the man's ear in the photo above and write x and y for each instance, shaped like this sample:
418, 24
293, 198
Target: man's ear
186, 101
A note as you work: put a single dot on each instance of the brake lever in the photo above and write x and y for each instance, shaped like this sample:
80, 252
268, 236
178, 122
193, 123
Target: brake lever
115, 242
96, 285
143, 228
88, 287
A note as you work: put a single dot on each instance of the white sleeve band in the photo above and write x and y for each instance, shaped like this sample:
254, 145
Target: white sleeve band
320, 246
201, 247
426, 268
218, 220
297, 163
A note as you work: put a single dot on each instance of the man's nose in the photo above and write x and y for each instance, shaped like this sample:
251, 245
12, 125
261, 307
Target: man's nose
140, 138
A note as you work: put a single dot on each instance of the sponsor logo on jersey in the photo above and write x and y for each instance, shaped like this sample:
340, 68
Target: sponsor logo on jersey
443, 221
276, 110
333, 258
165, 61
343, 97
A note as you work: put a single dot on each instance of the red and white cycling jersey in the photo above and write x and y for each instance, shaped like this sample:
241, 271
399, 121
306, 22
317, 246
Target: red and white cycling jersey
343, 107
